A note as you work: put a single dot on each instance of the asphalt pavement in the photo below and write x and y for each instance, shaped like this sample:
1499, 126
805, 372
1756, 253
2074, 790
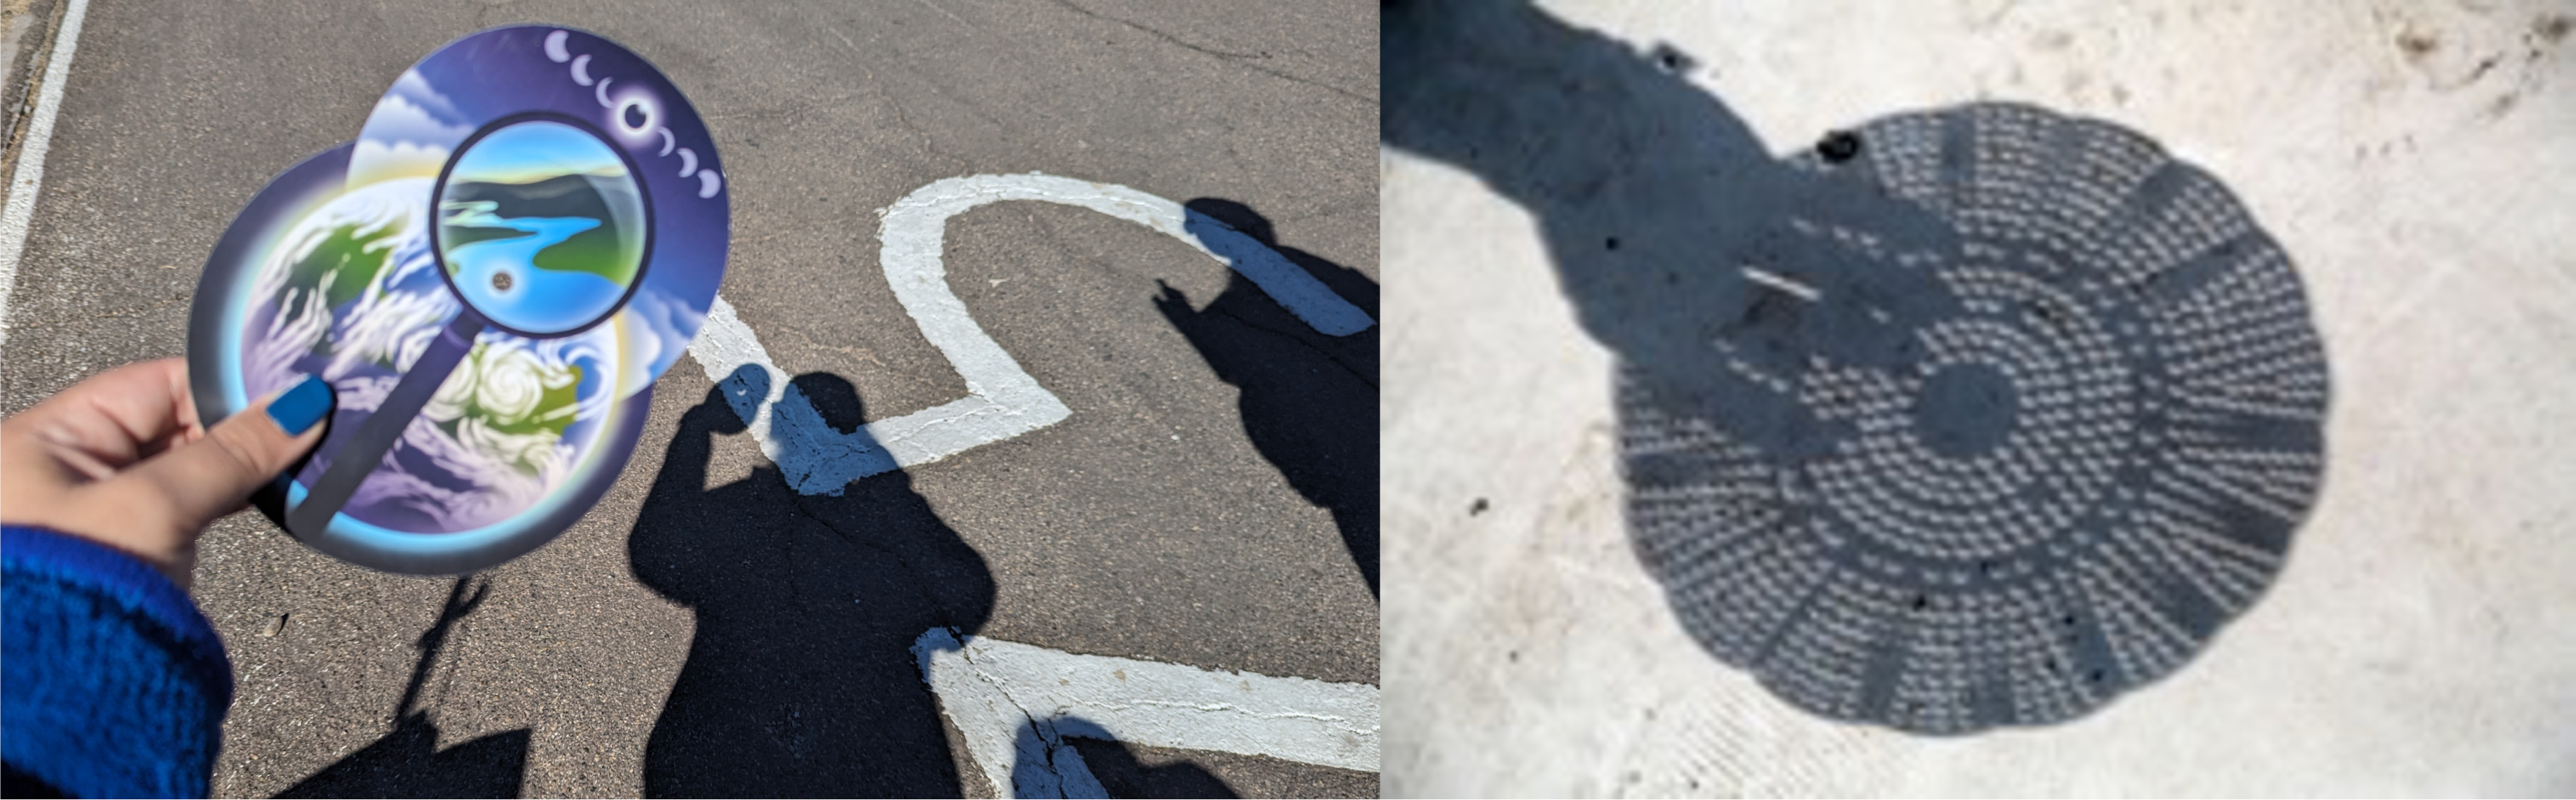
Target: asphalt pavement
707, 629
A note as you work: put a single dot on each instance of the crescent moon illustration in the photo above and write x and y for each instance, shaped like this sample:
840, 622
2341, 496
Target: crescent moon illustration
581, 70
709, 184
603, 93
688, 162
554, 47
667, 141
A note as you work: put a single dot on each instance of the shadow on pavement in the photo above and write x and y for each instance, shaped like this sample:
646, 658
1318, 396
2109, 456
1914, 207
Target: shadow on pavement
1085, 760
800, 680
1122, 775
1308, 400
407, 762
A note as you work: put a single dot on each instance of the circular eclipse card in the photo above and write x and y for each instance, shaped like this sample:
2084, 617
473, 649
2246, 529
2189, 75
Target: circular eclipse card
526, 233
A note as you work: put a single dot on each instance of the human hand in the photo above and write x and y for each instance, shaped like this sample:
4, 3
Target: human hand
120, 459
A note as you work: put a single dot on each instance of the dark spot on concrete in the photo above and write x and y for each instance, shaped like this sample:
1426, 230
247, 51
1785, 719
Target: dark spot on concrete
2502, 105
2552, 28
1478, 507
2485, 65
2417, 45
1611, 243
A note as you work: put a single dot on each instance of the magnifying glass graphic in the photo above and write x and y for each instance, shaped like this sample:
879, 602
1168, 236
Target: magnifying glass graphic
542, 231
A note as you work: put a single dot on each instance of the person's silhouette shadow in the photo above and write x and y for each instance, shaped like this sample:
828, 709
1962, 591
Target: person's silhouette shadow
1308, 400
800, 680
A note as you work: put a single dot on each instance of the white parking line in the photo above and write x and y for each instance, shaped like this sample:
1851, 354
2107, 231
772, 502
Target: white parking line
1015, 703
1001, 399
30, 175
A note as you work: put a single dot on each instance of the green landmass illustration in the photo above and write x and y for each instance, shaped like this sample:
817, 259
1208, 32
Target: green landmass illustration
344, 262
611, 250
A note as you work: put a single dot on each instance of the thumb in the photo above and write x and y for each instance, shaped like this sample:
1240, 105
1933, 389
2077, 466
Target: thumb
192, 485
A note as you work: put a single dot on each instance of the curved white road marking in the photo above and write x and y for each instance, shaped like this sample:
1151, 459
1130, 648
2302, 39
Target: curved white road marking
1001, 400
30, 177
991, 690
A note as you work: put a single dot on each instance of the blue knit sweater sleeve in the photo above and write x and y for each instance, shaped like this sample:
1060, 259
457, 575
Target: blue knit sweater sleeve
111, 682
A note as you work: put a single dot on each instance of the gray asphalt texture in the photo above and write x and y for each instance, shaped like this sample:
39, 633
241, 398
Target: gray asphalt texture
706, 630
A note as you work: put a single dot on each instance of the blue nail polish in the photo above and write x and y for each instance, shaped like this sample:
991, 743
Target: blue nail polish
301, 406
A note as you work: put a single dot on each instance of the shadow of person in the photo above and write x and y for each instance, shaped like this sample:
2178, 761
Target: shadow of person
407, 762
1077, 758
1308, 400
799, 679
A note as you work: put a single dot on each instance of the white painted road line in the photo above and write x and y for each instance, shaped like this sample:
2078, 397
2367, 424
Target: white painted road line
30, 175
1014, 704
1001, 400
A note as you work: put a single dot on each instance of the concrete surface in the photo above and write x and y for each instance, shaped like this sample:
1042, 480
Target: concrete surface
2422, 638
707, 626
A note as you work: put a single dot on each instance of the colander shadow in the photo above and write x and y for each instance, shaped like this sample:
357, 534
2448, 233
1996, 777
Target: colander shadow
1972, 417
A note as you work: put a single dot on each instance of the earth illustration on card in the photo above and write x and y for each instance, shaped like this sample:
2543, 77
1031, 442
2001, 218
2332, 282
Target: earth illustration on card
528, 230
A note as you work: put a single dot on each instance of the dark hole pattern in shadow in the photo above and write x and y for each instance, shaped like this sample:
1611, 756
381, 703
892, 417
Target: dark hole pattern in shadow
1838, 147
1672, 60
2161, 440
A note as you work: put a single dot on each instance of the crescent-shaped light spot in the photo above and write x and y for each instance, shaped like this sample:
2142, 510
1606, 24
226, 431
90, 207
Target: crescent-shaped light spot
709, 184
581, 70
688, 162
667, 141
554, 47
604, 102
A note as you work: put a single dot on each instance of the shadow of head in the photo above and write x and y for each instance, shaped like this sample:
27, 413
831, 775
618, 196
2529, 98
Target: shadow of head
1073, 757
834, 398
1353, 285
799, 679
1308, 401
1237, 216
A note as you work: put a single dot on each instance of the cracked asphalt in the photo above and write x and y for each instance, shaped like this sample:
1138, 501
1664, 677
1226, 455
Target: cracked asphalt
706, 630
